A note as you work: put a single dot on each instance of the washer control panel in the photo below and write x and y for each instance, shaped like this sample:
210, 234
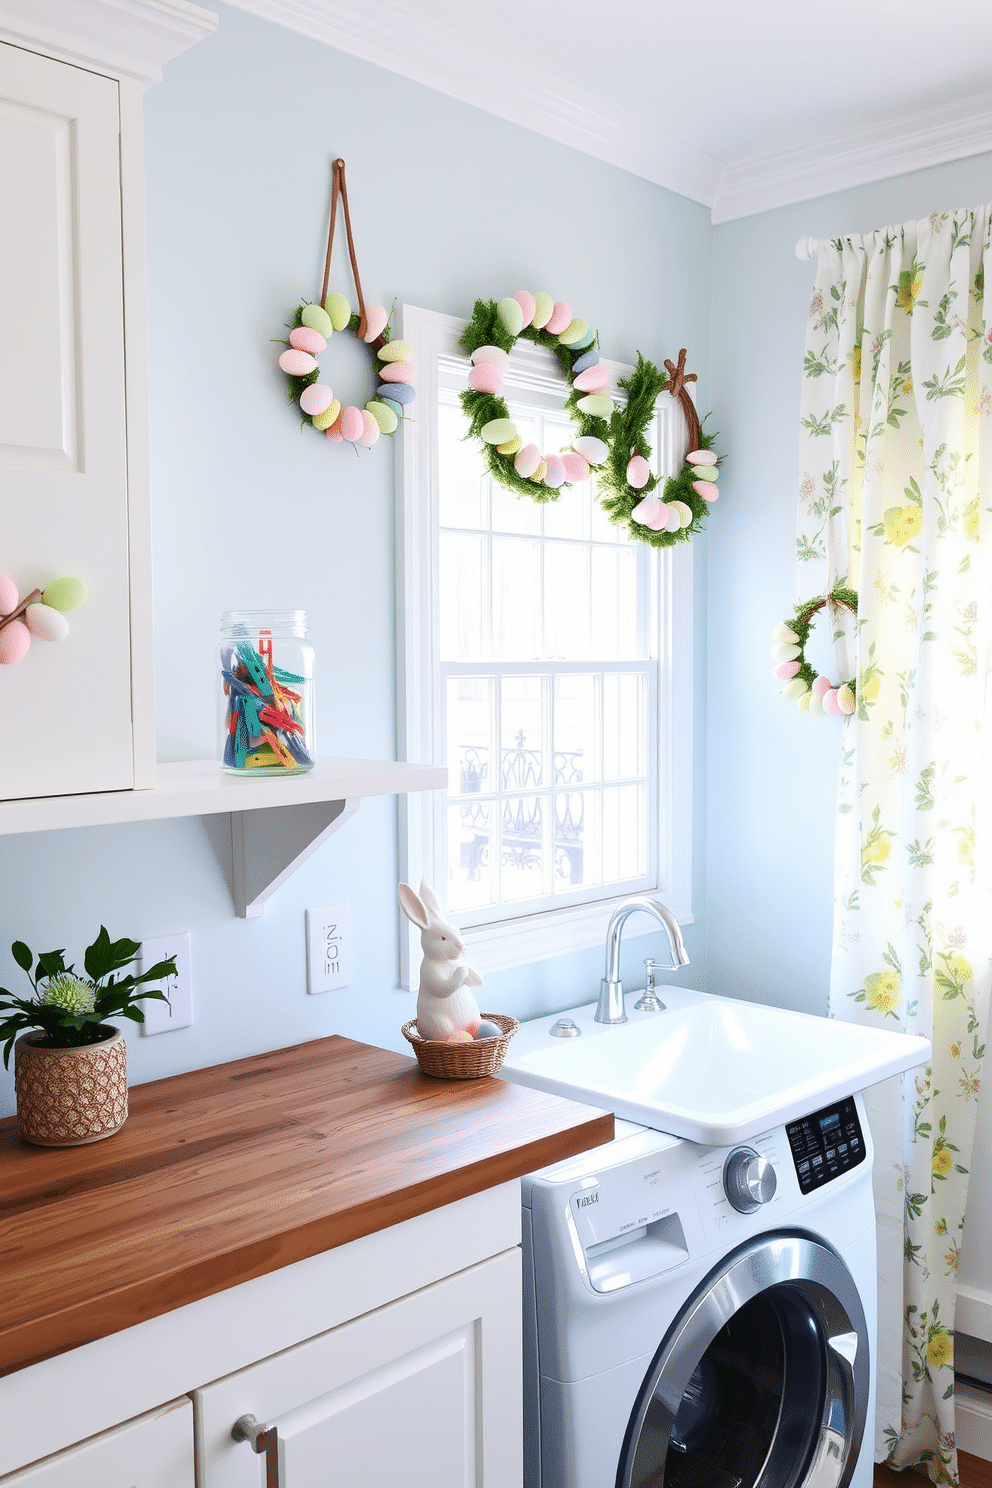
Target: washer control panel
826, 1144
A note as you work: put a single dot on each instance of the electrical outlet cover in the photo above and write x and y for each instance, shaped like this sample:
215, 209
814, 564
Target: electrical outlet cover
328, 948
163, 1017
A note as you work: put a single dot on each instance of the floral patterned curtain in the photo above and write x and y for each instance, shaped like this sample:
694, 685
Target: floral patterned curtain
896, 503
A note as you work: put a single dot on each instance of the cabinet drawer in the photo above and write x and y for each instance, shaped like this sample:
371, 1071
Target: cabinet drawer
423, 1392
154, 1451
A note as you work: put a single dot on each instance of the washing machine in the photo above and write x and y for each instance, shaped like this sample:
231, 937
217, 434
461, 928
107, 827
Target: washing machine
703, 1317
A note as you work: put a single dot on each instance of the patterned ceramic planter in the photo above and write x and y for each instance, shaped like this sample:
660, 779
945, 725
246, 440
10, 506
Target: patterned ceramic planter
68, 1097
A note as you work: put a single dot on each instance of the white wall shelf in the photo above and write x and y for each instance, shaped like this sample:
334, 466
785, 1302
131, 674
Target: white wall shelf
261, 829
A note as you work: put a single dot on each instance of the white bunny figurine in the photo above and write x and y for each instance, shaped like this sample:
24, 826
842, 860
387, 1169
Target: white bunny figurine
444, 1003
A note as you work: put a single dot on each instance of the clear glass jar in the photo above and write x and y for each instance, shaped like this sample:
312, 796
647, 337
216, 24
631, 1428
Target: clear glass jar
265, 694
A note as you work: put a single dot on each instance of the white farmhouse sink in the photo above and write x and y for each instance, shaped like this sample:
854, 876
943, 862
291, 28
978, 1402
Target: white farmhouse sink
712, 1069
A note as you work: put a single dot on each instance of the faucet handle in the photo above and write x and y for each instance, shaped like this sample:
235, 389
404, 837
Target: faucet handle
650, 1002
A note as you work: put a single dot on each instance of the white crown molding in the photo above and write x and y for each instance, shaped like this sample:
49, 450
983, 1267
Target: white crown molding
910, 142
391, 36
123, 38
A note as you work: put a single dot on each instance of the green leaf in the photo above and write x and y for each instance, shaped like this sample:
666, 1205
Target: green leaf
50, 963
22, 956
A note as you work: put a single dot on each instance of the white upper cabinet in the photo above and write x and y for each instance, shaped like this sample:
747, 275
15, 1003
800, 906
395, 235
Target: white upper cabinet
66, 707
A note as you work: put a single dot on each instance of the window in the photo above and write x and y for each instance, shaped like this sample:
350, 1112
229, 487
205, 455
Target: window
546, 661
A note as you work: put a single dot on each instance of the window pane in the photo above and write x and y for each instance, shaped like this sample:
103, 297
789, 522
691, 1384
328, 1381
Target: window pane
577, 849
522, 731
516, 598
513, 513
614, 602
625, 725
470, 883
624, 832
462, 476
566, 569
471, 731
463, 598
576, 729
523, 850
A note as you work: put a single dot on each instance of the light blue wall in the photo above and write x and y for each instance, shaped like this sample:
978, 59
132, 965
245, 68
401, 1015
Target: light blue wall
448, 203
771, 770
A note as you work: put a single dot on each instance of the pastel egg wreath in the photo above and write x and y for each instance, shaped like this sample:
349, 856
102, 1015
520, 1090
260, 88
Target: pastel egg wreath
610, 438
813, 692
313, 326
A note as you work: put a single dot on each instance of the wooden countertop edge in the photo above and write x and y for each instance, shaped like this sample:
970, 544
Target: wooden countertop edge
33, 1340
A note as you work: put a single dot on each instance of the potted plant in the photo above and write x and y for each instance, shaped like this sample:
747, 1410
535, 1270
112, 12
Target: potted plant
70, 1064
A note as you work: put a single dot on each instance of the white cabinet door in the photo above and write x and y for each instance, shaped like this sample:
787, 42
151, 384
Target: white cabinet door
424, 1392
65, 709
154, 1451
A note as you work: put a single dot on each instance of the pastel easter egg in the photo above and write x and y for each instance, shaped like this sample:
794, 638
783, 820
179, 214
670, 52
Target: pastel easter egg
583, 341
638, 472
511, 446
560, 317
576, 329
499, 431
821, 685
384, 417
352, 423
585, 361
393, 406
317, 318
370, 429
647, 511
595, 450
815, 704
576, 467
9, 597
596, 405
830, 702
400, 371
660, 519
591, 380
459, 1036
540, 472
674, 521
684, 511
486, 378
490, 354
297, 363
706, 489
706, 472
786, 669
527, 304
700, 457
334, 431
526, 460
784, 633
395, 351
804, 702
376, 320
488, 1030
45, 623
399, 392
554, 475
543, 308
845, 699
794, 689
305, 338
339, 310
511, 315
15, 639
782, 651
65, 594
316, 398
330, 415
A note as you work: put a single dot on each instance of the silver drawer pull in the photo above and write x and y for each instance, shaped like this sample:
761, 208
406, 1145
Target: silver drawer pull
264, 1440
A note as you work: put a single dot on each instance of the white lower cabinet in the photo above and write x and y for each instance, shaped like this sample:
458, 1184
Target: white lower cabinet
423, 1392
155, 1451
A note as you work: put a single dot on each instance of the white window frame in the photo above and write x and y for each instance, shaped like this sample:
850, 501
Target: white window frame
520, 939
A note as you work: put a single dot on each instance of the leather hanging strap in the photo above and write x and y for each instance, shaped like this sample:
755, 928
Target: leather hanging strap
339, 188
678, 377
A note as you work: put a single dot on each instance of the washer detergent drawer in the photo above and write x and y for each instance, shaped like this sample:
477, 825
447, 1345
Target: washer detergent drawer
635, 1255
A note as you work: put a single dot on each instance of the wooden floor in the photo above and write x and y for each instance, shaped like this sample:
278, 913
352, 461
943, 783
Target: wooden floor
974, 1472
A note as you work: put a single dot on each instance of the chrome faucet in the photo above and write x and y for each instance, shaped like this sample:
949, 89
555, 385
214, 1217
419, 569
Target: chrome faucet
611, 1008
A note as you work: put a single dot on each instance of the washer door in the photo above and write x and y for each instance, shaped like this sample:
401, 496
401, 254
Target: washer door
762, 1381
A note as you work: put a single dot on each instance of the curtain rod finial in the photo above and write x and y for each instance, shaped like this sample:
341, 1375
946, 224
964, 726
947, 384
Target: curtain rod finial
806, 247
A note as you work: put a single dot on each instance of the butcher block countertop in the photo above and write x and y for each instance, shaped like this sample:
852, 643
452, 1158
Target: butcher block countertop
230, 1172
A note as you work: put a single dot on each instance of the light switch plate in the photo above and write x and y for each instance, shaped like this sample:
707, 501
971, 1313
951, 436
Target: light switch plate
161, 1017
328, 948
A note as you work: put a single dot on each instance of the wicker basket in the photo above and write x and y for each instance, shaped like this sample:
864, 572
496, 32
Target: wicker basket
462, 1061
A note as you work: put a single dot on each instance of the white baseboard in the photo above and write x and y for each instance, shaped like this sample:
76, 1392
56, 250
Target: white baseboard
973, 1420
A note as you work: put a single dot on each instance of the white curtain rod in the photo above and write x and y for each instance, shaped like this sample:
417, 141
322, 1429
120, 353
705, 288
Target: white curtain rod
806, 247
